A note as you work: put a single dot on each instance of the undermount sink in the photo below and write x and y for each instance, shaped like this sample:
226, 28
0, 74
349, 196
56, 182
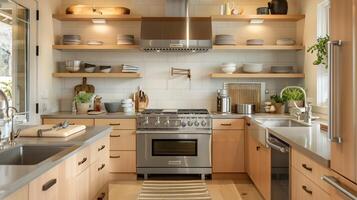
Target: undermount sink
280, 122
29, 154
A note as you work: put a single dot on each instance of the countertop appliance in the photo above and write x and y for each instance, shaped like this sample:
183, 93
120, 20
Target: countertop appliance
174, 142
177, 31
223, 101
280, 171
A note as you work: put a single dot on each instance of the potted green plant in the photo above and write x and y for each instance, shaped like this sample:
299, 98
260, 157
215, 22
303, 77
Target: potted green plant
279, 103
293, 96
320, 48
83, 102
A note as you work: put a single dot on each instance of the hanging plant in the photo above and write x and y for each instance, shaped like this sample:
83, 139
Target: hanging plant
320, 48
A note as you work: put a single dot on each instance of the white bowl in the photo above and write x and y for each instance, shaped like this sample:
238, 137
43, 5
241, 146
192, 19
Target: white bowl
73, 65
128, 109
106, 70
228, 68
252, 68
126, 101
127, 105
89, 69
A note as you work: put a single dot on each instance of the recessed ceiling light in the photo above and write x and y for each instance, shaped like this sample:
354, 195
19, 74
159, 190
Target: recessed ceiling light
256, 21
99, 21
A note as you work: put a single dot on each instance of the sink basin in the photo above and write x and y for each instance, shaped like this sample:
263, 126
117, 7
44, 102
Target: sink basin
29, 154
280, 122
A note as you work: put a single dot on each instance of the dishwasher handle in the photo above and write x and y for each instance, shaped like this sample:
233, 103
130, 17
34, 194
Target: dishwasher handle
273, 143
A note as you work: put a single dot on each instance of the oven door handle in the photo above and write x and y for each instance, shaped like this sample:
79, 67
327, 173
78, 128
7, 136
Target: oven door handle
206, 132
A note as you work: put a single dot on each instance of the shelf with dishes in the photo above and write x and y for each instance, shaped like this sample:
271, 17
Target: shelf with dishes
270, 18
104, 47
96, 75
258, 75
66, 17
258, 47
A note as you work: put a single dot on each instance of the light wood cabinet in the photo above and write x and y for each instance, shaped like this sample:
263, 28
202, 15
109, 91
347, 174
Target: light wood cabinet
99, 150
303, 188
46, 186
117, 124
82, 184
21, 194
122, 162
224, 124
259, 166
123, 140
228, 151
86, 122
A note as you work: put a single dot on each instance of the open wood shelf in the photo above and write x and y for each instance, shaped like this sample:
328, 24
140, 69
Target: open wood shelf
64, 17
257, 47
258, 75
97, 75
95, 47
278, 18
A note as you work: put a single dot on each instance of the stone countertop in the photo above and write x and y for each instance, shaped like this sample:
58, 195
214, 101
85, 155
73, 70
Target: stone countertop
70, 115
14, 177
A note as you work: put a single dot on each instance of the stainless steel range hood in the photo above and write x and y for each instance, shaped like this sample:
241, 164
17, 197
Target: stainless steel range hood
177, 31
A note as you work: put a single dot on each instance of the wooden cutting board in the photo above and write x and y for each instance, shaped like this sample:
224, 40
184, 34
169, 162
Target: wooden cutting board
59, 133
84, 87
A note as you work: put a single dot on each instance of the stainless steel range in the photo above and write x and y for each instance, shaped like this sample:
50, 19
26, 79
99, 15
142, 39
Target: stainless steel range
174, 142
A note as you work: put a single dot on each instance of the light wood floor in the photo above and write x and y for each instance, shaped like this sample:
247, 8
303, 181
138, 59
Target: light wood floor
225, 189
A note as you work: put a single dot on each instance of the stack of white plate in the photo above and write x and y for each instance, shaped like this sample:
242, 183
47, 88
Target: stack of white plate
71, 39
253, 67
125, 39
130, 69
285, 41
127, 105
225, 40
255, 42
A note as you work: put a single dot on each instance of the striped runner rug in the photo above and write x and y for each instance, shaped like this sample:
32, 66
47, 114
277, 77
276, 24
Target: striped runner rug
174, 190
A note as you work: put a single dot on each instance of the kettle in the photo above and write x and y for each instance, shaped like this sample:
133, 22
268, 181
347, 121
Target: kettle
278, 7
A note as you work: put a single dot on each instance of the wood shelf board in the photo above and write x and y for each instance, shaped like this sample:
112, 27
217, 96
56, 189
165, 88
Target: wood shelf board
258, 75
97, 75
95, 47
291, 18
65, 17
257, 47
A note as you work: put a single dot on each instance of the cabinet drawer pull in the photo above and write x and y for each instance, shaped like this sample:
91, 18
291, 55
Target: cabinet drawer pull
114, 156
306, 167
258, 148
304, 187
248, 124
72, 123
101, 148
114, 124
101, 196
101, 167
226, 124
114, 135
49, 184
82, 161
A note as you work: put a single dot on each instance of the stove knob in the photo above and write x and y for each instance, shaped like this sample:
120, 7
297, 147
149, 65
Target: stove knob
157, 122
183, 124
167, 122
145, 121
203, 123
197, 123
178, 123
189, 123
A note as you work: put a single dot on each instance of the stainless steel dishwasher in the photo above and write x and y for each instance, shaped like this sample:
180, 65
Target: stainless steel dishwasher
280, 171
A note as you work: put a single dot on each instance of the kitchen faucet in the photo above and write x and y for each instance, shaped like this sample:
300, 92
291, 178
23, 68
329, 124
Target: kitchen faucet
306, 111
8, 118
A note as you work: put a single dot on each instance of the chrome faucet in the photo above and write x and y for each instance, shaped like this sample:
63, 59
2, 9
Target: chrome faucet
306, 111
8, 118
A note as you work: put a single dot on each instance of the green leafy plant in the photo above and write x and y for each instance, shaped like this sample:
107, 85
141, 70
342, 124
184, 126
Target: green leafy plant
320, 48
293, 94
277, 99
6, 86
83, 97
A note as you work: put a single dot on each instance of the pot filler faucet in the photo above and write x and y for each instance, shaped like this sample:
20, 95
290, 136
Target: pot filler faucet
8, 118
306, 111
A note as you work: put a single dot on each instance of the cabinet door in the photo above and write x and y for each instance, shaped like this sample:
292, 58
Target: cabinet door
343, 155
253, 161
264, 172
82, 185
123, 140
228, 151
46, 186
122, 161
98, 177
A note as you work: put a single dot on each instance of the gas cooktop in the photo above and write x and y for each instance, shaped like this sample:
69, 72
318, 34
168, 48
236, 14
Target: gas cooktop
176, 111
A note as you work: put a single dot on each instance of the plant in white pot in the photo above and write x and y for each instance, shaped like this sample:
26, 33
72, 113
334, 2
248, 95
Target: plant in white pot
293, 96
83, 102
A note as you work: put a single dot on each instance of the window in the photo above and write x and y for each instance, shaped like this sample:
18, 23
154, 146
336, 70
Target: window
322, 73
14, 56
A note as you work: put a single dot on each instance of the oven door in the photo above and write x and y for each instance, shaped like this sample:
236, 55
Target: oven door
173, 150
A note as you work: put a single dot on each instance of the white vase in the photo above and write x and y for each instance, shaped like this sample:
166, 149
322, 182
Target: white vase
82, 108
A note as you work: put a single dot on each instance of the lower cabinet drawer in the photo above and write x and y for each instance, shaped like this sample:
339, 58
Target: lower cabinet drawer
123, 140
46, 186
223, 124
100, 150
122, 161
98, 177
302, 188
82, 160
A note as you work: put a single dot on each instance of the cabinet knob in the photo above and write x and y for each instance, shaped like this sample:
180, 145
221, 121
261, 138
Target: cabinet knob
49, 184
226, 124
258, 148
101, 148
248, 124
82, 161
101, 167
114, 136
114, 124
114, 156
